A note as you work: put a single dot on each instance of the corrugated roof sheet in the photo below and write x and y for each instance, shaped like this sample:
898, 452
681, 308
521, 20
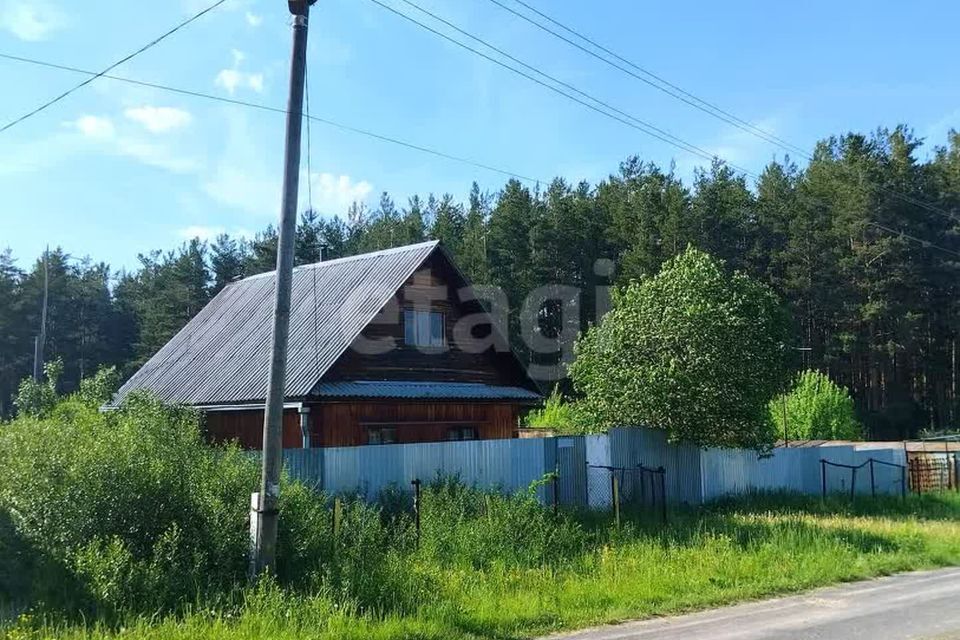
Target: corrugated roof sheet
422, 390
222, 355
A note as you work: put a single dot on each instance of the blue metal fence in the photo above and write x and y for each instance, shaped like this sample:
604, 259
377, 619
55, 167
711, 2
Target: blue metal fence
692, 475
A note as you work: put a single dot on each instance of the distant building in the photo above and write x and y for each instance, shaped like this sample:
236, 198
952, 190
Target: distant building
384, 348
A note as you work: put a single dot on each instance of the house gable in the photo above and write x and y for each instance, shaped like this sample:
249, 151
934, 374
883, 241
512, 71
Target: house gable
472, 352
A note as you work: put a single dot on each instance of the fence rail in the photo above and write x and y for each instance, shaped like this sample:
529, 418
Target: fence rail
870, 465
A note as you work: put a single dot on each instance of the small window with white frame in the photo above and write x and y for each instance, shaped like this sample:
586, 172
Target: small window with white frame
423, 328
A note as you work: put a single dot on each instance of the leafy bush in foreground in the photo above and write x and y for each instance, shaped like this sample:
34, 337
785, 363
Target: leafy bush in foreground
130, 506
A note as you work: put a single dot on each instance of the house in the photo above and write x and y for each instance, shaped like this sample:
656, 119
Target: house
384, 347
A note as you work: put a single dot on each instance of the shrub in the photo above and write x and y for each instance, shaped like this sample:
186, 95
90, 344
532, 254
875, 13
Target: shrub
559, 414
816, 409
38, 397
131, 504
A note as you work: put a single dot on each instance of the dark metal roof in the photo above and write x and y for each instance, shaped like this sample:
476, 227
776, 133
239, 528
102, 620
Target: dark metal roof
222, 355
422, 390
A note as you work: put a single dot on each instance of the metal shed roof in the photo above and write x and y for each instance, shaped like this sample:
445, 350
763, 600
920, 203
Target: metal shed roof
222, 355
422, 390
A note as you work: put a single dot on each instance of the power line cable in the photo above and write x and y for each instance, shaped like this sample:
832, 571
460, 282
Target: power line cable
263, 107
306, 95
664, 85
313, 270
687, 97
692, 148
113, 66
348, 128
921, 241
639, 125
677, 142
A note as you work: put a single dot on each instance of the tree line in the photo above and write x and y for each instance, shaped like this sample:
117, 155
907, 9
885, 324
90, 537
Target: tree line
862, 244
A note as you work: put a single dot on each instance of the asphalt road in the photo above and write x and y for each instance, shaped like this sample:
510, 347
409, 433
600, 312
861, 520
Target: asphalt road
923, 605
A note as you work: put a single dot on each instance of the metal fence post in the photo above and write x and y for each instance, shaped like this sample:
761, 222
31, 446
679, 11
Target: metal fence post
873, 484
556, 490
663, 493
416, 508
956, 474
615, 487
903, 482
643, 489
823, 478
853, 484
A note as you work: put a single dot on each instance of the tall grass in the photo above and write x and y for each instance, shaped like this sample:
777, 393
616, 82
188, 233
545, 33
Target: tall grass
127, 525
492, 566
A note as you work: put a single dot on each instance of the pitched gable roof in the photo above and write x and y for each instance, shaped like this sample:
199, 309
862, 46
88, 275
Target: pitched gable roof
222, 355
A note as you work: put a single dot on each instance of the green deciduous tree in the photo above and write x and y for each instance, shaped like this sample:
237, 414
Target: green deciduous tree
815, 409
694, 350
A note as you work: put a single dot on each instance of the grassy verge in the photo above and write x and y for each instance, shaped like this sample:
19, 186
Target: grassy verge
725, 553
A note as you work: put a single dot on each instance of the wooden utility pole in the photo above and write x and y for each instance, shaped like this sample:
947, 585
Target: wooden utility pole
266, 520
40, 341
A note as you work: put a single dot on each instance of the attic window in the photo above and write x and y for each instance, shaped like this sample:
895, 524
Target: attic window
423, 328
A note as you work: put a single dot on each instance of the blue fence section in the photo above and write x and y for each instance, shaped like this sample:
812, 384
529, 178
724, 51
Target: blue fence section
507, 465
692, 475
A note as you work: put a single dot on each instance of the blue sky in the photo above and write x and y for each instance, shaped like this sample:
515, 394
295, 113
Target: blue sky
115, 170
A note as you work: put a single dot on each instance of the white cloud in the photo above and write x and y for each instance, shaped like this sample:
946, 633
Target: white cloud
334, 194
159, 119
253, 19
204, 233
157, 155
231, 80
31, 20
936, 133
247, 180
102, 131
97, 127
738, 147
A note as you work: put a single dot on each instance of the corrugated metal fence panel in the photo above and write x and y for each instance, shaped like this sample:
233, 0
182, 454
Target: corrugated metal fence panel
510, 465
305, 465
693, 476
633, 446
729, 472
572, 467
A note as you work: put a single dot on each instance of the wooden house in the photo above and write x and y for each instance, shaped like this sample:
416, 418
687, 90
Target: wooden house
385, 347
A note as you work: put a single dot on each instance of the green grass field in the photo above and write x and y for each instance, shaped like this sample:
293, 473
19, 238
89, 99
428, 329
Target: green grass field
728, 552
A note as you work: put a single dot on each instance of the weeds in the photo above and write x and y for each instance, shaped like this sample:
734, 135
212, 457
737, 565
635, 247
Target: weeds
127, 525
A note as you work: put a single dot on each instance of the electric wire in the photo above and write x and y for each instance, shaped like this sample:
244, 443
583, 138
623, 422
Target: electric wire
152, 43
687, 146
262, 107
665, 86
313, 270
644, 127
921, 241
687, 97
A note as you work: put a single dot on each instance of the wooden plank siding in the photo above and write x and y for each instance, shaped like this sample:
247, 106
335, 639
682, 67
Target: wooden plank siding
429, 289
246, 427
345, 424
